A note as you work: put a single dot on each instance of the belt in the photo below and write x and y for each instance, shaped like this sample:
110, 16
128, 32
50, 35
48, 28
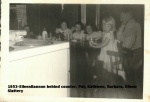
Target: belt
127, 52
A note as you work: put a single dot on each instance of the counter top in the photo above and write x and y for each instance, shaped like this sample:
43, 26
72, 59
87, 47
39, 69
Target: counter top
21, 52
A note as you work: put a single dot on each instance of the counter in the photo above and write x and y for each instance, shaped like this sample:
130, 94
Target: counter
20, 52
40, 66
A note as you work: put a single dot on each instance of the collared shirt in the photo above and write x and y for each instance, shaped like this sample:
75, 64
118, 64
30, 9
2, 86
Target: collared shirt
130, 35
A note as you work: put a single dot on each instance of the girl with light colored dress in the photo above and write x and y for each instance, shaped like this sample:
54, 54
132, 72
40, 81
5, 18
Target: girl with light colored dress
108, 44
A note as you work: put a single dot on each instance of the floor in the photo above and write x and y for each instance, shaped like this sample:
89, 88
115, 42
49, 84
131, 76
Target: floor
82, 74
110, 79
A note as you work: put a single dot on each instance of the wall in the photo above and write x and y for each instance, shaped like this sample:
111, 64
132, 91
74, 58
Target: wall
114, 10
40, 16
49, 15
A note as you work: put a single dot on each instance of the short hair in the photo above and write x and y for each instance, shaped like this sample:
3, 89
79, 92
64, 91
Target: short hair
79, 23
111, 21
128, 11
62, 21
94, 28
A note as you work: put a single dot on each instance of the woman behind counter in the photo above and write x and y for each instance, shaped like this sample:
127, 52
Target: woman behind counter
63, 32
79, 32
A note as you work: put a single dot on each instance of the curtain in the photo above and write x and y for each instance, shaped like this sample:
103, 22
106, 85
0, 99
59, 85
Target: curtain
21, 14
83, 13
97, 19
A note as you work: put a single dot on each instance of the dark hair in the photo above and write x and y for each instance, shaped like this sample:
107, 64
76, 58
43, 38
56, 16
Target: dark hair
26, 26
63, 20
80, 23
94, 28
129, 11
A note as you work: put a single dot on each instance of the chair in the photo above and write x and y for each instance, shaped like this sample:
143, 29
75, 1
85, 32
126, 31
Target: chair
115, 64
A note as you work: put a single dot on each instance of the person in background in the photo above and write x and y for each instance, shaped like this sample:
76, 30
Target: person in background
29, 32
108, 43
129, 34
63, 31
79, 57
92, 34
79, 32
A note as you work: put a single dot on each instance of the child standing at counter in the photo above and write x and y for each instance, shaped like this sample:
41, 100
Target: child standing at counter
92, 34
108, 42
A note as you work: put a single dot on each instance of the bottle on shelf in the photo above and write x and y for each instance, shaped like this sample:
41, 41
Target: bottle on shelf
44, 34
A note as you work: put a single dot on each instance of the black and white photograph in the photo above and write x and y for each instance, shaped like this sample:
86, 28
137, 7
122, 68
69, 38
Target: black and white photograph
76, 50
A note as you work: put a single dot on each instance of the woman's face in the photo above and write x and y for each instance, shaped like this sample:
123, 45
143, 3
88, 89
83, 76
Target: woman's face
124, 18
89, 29
78, 27
64, 25
107, 27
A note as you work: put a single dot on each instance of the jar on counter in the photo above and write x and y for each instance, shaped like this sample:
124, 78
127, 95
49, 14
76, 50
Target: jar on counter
44, 34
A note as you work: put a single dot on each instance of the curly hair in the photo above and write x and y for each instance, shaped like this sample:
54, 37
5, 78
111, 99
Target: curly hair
111, 21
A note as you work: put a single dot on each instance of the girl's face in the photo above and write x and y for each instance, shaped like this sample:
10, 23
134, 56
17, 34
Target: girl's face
107, 27
78, 27
64, 25
89, 29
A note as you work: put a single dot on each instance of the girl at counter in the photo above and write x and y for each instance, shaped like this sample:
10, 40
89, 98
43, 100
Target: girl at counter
63, 31
92, 34
79, 57
108, 42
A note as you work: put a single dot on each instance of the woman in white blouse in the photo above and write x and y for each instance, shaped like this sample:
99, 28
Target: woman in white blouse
64, 30
79, 32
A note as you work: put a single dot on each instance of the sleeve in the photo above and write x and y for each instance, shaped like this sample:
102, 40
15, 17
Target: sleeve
96, 35
138, 42
120, 32
99, 34
58, 30
129, 39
